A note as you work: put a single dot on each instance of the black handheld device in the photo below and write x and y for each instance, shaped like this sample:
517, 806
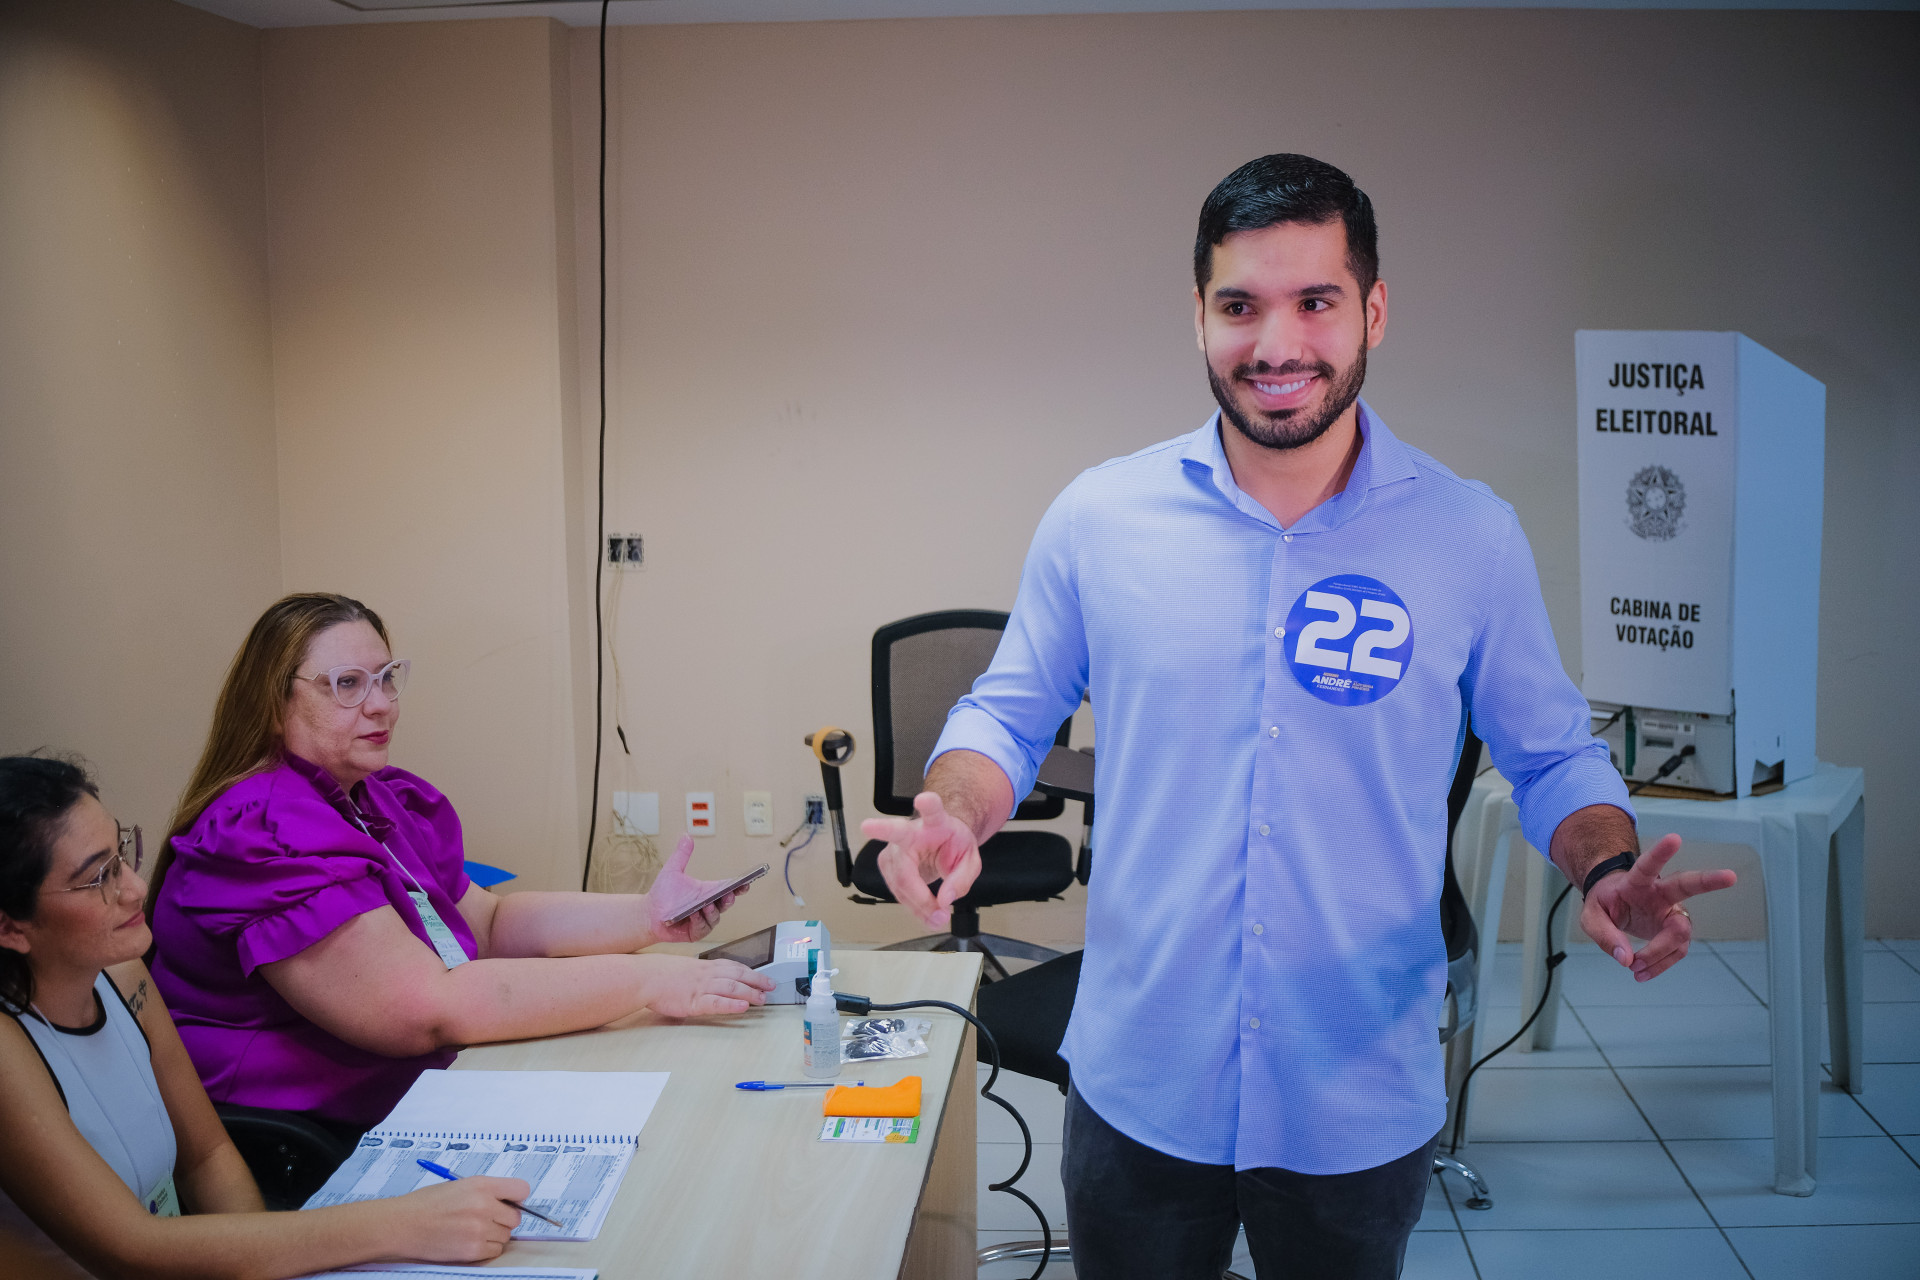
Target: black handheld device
720, 893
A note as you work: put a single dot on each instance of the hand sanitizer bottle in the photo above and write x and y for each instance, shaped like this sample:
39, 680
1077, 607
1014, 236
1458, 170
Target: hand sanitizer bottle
822, 1028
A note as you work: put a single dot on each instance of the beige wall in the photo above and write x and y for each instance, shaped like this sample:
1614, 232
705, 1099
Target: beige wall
879, 290
138, 526
882, 288
418, 227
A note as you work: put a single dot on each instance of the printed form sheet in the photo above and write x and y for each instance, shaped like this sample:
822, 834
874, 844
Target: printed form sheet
573, 1182
569, 1134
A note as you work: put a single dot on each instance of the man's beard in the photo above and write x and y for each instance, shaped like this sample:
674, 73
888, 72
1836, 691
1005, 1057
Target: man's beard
1287, 429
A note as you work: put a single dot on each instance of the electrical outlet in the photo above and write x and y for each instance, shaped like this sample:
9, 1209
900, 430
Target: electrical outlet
756, 810
637, 812
626, 550
816, 810
700, 815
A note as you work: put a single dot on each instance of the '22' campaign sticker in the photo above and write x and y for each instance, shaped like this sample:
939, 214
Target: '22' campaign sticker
1351, 640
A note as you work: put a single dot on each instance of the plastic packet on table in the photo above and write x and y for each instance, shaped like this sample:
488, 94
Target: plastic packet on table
868, 1039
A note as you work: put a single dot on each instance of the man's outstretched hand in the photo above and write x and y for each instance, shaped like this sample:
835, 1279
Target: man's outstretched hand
1640, 903
931, 845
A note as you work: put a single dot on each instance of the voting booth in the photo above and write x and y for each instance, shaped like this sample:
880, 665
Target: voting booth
1702, 457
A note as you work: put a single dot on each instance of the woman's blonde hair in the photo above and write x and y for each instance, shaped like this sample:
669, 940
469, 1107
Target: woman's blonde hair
249, 719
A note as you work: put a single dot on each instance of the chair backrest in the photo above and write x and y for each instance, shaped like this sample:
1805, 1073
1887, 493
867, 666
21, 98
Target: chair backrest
921, 667
289, 1155
1457, 929
1456, 920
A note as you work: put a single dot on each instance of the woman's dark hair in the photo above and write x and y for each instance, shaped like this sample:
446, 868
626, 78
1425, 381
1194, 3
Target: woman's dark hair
36, 795
1284, 188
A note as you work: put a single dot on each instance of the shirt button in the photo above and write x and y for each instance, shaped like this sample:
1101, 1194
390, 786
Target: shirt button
1264, 830
1274, 732
1286, 537
1259, 929
1279, 633
1254, 1023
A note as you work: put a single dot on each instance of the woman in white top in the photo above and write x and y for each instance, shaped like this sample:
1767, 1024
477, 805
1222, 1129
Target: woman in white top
106, 1136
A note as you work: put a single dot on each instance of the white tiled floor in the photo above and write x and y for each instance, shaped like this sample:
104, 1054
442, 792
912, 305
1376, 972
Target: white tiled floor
1641, 1145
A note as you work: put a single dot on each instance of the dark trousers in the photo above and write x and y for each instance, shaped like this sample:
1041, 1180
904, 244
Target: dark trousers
1133, 1211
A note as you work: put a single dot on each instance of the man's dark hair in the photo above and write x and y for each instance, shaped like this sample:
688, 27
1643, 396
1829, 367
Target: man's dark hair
1285, 188
36, 795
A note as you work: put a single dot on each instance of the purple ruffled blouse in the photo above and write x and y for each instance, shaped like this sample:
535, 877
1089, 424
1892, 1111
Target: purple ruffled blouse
273, 866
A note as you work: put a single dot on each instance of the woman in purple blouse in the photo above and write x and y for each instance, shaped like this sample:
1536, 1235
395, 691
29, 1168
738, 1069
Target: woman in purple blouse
314, 928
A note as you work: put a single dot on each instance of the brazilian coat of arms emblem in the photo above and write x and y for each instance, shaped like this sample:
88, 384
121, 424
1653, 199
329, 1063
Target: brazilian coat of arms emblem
1655, 502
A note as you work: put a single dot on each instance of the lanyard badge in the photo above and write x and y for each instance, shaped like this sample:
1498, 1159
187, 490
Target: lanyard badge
439, 936
445, 945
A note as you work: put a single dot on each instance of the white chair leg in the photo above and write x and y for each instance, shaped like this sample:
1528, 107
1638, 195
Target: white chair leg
1846, 926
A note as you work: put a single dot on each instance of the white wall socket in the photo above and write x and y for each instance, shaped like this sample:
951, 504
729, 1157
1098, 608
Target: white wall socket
637, 813
756, 810
700, 815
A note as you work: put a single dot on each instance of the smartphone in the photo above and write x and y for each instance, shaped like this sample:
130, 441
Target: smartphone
719, 893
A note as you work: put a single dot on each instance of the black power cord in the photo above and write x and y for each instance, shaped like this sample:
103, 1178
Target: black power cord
1553, 962
1554, 958
860, 1006
1672, 763
600, 503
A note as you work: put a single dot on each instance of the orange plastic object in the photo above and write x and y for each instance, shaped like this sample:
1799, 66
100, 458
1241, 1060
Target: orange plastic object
901, 1100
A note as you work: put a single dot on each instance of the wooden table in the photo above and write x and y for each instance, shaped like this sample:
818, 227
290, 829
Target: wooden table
733, 1184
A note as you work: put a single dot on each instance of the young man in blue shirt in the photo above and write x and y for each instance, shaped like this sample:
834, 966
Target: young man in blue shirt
1284, 618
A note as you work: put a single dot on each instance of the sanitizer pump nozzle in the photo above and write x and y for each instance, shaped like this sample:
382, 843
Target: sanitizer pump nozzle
822, 1028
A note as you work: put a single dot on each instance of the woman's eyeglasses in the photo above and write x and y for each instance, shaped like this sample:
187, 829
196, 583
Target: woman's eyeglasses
127, 858
351, 685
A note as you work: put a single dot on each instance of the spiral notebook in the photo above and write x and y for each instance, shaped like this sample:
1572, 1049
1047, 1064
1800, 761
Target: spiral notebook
570, 1134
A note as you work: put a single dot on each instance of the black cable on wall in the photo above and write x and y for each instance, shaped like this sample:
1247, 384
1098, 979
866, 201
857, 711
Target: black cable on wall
600, 484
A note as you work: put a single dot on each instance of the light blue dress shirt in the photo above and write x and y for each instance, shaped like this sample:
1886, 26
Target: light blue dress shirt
1279, 716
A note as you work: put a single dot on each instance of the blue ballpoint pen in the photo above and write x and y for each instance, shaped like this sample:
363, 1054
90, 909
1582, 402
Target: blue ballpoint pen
451, 1176
763, 1086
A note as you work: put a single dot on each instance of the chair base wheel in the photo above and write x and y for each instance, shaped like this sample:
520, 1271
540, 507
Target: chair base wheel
993, 970
1020, 1250
1023, 1250
1481, 1198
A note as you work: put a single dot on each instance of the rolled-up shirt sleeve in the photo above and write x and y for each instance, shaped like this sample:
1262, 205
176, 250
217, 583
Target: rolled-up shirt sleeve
1040, 669
1532, 717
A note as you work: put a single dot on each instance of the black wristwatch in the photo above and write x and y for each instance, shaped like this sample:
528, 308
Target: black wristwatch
1606, 867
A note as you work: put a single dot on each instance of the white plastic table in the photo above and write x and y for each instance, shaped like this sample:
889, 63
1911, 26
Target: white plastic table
1811, 838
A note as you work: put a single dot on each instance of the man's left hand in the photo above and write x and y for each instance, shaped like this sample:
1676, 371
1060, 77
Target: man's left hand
1640, 903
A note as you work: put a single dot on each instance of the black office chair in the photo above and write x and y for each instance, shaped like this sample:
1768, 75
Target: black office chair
291, 1157
1068, 775
1462, 937
921, 667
